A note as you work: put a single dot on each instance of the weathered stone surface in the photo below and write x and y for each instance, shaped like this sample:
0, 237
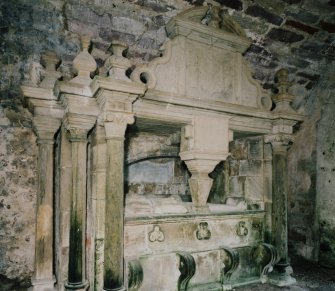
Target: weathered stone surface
234, 4
262, 13
330, 27
302, 15
284, 35
301, 26
17, 198
28, 28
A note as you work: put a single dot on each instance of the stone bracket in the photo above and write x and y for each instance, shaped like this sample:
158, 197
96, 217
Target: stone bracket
266, 256
187, 270
231, 262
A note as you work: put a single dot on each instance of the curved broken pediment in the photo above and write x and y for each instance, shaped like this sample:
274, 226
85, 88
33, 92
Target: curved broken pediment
202, 60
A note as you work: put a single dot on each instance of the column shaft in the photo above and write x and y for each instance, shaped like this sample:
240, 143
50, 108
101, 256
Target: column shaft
78, 215
44, 218
279, 211
98, 202
113, 268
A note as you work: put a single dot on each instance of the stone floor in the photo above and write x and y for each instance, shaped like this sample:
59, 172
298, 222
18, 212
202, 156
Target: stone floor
309, 276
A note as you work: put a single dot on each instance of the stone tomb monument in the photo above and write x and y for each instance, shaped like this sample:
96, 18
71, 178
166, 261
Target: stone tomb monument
193, 116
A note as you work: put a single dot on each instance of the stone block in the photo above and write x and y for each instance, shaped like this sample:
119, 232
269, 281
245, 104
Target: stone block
234, 4
234, 168
236, 187
208, 268
254, 189
284, 35
302, 15
249, 24
238, 149
250, 168
258, 11
160, 272
330, 27
255, 149
302, 27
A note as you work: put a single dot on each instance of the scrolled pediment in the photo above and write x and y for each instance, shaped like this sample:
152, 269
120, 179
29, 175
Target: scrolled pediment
202, 61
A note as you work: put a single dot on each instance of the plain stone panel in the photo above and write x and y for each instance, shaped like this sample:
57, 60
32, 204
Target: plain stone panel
254, 188
160, 272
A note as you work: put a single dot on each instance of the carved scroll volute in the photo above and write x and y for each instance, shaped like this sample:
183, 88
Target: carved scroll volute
266, 256
231, 260
135, 275
187, 270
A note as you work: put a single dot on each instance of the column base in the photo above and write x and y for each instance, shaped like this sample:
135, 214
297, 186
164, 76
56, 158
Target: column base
76, 286
42, 284
281, 276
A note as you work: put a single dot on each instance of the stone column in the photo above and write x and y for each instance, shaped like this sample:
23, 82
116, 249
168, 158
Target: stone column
98, 197
78, 127
115, 127
45, 129
280, 143
63, 208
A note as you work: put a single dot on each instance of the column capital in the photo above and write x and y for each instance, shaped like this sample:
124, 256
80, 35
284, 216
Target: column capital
45, 128
78, 125
280, 142
116, 123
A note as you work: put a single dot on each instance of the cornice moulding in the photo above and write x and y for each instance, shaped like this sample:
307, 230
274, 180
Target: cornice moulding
79, 104
207, 35
108, 84
38, 93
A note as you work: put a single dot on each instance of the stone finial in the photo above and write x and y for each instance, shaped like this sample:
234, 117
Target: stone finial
117, 64
283, 99
84, 63
50, 61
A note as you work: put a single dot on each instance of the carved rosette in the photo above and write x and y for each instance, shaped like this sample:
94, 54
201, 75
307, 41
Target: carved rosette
156, 235
203, 233
242, 230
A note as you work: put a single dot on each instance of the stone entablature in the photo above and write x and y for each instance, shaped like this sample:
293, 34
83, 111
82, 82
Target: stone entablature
202, 86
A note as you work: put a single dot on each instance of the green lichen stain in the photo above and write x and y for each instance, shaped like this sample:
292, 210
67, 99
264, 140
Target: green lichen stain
75, 259
111, 281
327, 245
